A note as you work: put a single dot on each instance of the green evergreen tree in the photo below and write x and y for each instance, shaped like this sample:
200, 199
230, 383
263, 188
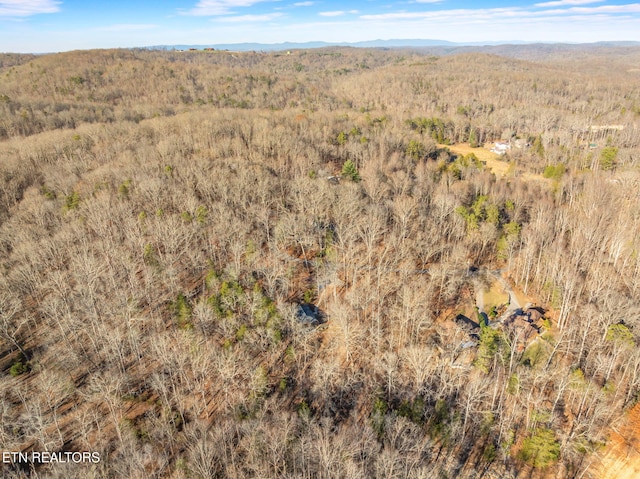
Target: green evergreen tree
541, 449
554, 171
538, 146
415, 150
608, 158
473, 139
72, 201
350, 171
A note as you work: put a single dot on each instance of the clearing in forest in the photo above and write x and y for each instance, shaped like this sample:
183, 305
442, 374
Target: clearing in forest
482, 153
495, 296
492, 161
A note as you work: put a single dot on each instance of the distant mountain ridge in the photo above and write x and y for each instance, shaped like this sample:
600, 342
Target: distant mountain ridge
248, 46
393, 43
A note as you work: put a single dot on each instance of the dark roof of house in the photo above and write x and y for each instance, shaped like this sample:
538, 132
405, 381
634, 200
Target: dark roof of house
535, 313
308, 313
463, 321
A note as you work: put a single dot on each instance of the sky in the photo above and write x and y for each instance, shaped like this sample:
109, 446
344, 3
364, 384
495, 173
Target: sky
39, 26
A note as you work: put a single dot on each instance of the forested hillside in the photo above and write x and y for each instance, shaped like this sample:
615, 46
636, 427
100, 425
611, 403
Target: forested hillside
309, 264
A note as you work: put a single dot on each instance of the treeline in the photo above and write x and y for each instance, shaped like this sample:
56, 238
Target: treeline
152, 273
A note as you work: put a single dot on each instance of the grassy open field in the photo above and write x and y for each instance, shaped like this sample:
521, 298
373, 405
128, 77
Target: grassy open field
495, 296
494, 162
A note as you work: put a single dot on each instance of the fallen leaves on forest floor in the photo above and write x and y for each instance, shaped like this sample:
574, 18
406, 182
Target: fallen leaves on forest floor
620, 459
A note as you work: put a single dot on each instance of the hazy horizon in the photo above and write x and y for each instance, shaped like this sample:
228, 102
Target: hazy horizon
38, 26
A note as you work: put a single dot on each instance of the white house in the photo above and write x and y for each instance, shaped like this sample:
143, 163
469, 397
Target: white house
501, 148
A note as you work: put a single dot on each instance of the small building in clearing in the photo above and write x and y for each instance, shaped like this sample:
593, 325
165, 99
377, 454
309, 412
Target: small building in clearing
500, 148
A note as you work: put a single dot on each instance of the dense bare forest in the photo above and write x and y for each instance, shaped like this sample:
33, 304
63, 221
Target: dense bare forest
300, 264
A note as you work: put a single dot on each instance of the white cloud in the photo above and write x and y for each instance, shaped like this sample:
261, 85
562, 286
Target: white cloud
461, 13
250, 18
205, 8
427, 1
303, 4
335, 13
561, 3
602, 9
468, 15
127, 27
26, 8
